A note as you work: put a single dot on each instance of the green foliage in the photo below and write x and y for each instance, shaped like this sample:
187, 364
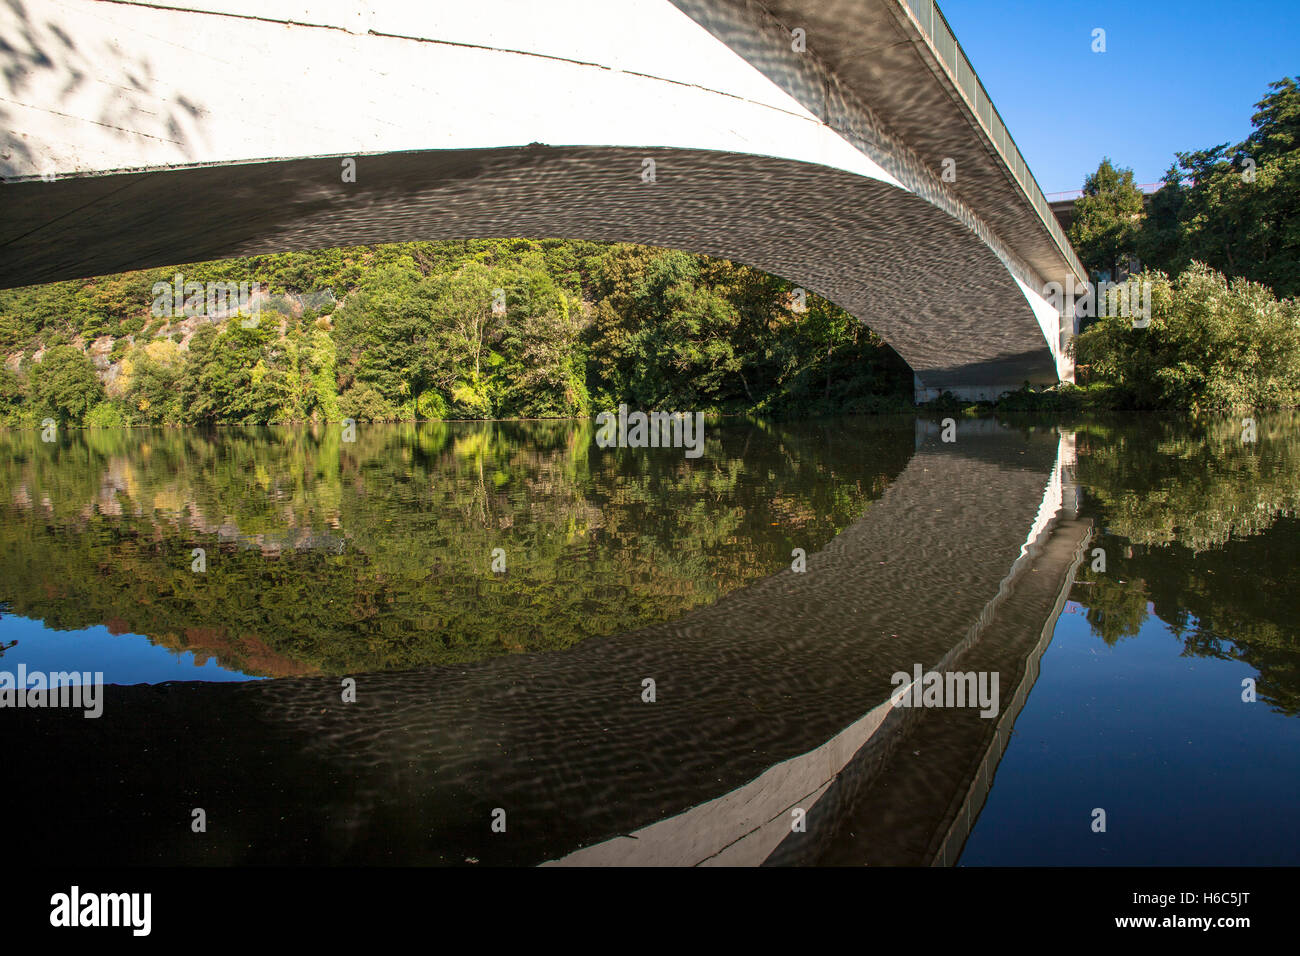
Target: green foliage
541, 372
311, 542
1226, 224
1106, 219
13, 397
660, 337
1240, 207
364, 403
1212, 343
324, 382
1199, 526
1233, 208
151, 384
430, 406
223, 378
64, 384
673, 331
105, 415
507, 328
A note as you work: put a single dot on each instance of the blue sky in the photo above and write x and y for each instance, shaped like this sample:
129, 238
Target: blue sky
1175, 76
121, 658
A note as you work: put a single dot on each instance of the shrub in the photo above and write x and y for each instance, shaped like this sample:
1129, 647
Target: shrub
365, 404
1211, 343
104, 415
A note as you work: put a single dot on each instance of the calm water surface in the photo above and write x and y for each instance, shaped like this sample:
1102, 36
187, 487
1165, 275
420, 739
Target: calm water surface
649, 663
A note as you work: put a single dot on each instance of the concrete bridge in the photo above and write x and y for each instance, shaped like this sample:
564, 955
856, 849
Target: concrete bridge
774, 698
845, 145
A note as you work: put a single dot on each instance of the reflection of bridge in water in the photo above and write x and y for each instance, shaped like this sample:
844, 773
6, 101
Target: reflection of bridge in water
774, 698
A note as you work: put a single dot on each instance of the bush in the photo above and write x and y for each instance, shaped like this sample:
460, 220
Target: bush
105, 415
365, 404
1211, 343
470, 402
431, 406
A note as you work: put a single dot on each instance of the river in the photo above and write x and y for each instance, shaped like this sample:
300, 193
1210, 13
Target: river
502, 643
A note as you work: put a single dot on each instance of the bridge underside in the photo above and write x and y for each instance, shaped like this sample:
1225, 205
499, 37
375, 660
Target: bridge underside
914, 274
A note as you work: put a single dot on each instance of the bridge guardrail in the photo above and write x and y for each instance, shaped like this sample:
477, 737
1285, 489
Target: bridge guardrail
934, 27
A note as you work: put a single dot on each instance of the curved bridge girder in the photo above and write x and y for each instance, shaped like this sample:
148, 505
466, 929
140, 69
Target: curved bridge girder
917, 276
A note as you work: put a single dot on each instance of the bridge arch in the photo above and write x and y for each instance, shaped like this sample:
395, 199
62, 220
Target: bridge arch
221, 131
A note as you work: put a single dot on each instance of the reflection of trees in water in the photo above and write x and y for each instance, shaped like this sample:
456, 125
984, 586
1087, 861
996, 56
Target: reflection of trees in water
335, 557
1161, 481
1201, 526
1116, 609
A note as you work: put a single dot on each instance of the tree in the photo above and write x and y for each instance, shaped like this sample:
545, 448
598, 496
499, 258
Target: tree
1235, 208
64, 384
150, 383
226, 377
465, 324
1106, 219
11, 397
384, 334
543, 370
662, 337
417, 333
1276, 122
1160, 239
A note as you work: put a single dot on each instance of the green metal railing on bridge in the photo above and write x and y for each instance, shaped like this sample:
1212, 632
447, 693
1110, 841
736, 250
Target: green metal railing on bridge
935, 29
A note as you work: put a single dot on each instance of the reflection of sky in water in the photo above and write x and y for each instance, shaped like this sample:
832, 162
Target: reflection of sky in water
122, 658
1186, 771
